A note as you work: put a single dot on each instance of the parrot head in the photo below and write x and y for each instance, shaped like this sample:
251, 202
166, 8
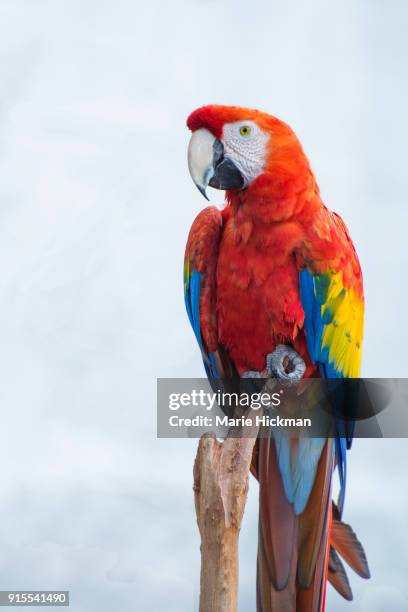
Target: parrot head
235, 149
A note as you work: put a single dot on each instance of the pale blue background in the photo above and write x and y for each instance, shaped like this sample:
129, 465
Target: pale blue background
95, 206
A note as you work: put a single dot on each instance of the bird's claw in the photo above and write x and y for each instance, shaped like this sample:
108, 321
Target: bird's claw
251, 374
285, 364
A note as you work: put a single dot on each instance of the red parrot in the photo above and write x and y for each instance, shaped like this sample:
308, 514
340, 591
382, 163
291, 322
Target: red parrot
276, 267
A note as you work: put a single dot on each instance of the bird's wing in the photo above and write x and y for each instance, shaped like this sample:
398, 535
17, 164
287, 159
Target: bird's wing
331, 290
200, 266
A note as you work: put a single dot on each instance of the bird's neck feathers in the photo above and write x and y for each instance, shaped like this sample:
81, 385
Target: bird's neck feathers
285, 191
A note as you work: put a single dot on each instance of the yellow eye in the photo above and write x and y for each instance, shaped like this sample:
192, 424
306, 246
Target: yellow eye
245, 130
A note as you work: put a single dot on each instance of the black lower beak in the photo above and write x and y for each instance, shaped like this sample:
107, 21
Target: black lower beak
226, 174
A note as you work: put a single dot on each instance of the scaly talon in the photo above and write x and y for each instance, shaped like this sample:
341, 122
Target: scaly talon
286, 364
251, 374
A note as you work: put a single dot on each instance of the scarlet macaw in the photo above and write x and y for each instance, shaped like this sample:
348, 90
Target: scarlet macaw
273, 267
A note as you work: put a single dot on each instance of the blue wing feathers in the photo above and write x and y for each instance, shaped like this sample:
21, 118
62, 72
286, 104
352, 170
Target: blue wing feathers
313, 295
192, 300
195, 281
306, 296
212, 366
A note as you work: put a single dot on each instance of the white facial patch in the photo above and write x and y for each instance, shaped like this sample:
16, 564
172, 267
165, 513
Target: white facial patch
246, 145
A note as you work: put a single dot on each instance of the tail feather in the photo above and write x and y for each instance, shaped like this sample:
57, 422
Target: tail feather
349, 547
337, 576
298, 554
313, 598
267, 597
315, 519
293, 550
274, 510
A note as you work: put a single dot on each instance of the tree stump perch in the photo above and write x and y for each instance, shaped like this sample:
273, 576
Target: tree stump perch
221, 472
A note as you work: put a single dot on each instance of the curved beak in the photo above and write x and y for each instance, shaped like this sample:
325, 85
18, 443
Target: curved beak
209, 166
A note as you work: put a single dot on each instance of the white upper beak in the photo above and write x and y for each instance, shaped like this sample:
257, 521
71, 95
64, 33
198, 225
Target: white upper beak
200, 158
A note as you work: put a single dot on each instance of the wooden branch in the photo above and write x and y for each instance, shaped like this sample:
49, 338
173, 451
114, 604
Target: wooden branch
221, 486
221, 472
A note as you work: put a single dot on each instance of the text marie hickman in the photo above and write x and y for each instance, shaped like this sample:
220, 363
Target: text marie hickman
260, 420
